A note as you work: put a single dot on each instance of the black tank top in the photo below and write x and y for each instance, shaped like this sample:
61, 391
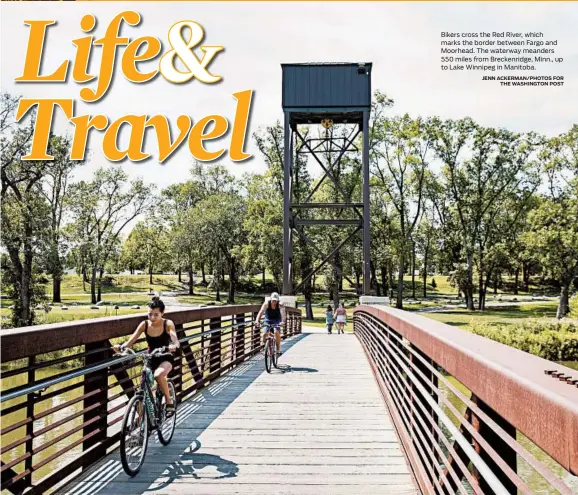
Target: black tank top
273, 314
162, 340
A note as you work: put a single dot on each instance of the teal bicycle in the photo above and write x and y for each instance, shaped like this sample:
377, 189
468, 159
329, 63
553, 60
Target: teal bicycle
144, 413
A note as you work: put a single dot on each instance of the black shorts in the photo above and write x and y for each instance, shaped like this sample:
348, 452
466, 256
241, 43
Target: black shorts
156, 361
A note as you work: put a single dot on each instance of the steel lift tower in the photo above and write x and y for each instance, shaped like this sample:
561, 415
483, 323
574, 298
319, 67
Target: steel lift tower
325, 94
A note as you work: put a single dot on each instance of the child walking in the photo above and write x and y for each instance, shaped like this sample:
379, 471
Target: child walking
329, 318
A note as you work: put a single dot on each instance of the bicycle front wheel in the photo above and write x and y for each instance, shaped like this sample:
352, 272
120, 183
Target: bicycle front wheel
274, 353
268, 356
166, 427
134, 436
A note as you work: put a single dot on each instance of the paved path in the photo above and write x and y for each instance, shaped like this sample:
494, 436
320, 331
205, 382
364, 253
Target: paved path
317, 427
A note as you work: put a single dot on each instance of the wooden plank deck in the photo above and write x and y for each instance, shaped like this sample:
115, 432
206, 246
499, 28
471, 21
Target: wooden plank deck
318, 427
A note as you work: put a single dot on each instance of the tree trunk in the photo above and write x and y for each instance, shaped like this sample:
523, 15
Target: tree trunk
374, 282
263, 280
485, 289
516, 276
413, 270
26, 296
232, 280
204, 282
191, 281
425, 260
481, 291
384, 284
357, 282
335, 296
496, 278
56, 282
400, 271
468, 290
180, 276
526, 277
99, 285
93, 286
151, 274
23, 314
308, 292
564, 304
391, 285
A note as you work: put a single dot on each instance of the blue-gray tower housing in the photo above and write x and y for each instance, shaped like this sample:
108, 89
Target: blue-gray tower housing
327, 94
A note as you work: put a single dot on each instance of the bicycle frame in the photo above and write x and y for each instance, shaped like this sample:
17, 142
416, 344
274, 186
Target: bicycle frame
145, 390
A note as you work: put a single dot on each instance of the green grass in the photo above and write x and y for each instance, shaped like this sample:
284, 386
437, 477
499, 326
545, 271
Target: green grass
204, 298
72, 284
494, 316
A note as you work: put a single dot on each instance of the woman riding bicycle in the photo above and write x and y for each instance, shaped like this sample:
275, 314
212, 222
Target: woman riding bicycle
159, 333
274, 313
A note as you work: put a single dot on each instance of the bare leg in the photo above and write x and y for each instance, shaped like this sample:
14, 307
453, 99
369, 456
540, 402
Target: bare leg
278, 339
161, 374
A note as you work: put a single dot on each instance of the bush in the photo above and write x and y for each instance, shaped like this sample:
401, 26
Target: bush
550, 339
107, 281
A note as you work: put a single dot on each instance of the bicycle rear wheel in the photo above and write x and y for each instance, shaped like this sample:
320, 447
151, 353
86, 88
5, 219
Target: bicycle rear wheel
166, 428
134, 436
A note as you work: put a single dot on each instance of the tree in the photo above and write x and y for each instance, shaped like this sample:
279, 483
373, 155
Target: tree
264, 226
426, 237
101, 210
55, 189
221, 217
147, 245
23, 211
400, 164
177, 203
553, 241
482, 168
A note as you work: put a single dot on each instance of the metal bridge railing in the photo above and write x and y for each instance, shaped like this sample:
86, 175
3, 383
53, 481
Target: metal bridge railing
62, 414
474, 415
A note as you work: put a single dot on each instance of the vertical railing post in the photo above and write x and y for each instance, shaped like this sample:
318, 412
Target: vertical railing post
255, 340
96, 384
503, 450
428, 418
215, 344
30, 400
177, 375
240, 335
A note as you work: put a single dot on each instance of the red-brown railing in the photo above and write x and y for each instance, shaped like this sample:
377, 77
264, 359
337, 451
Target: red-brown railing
65, 409
474, 415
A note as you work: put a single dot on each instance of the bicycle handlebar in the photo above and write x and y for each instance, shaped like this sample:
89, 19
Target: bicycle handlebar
156, 352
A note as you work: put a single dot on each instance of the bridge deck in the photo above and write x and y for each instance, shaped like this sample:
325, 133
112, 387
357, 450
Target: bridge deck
318, 428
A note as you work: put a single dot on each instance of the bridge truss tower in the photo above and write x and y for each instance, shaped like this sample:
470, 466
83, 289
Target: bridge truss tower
325, 94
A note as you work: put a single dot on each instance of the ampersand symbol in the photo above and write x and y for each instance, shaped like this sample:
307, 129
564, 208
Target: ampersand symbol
183, 49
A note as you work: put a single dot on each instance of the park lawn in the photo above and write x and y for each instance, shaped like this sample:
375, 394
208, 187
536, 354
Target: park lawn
205, 298
74, 313
494, 316
72, 284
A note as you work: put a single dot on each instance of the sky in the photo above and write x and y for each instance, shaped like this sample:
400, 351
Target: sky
401, 39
